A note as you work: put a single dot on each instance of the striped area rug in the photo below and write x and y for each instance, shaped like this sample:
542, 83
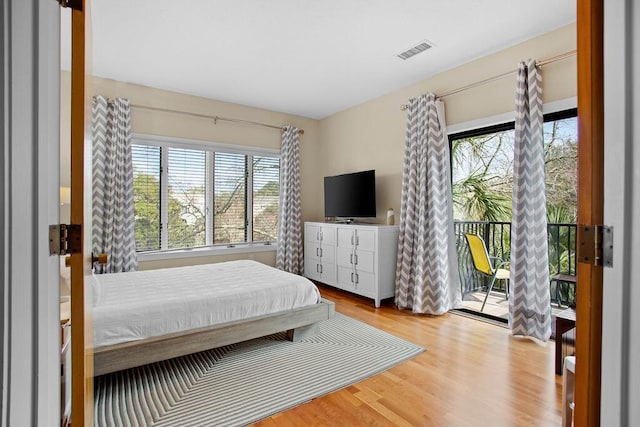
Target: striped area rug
243, 383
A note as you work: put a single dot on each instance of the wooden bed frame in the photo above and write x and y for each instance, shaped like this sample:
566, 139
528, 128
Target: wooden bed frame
299, 323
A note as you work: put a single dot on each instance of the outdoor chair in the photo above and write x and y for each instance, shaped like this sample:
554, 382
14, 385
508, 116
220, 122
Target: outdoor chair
482, 263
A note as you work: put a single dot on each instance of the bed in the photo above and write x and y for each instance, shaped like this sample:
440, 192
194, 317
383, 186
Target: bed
147, 316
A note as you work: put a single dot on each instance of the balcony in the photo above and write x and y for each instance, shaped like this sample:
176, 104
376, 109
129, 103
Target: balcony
497, 237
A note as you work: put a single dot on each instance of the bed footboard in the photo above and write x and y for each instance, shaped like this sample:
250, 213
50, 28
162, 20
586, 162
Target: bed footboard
299, 324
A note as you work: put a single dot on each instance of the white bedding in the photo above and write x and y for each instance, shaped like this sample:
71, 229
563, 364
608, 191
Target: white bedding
137, 305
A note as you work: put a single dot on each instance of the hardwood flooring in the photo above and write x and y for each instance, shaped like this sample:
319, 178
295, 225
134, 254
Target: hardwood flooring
473, 374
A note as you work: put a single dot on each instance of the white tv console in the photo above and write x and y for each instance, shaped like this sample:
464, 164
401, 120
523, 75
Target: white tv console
359, 258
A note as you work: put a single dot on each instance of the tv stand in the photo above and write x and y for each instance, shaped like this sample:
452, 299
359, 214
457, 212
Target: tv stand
359, 258
345, 221
348, 221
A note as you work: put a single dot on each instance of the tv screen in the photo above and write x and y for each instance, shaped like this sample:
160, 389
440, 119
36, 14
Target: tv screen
351, 195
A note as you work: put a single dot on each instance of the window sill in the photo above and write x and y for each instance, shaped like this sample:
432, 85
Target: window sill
210, 251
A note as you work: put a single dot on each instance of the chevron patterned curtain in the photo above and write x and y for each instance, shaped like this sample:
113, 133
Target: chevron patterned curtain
427, 279
289, 256
529, 299
112, 180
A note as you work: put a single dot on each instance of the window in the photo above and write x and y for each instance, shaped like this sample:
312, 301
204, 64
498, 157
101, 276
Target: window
482, 170
482, 183
190, 195
146, 192
230, 192
185, 197
266, 194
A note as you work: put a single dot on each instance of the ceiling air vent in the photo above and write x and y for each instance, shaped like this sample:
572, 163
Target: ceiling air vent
413, 51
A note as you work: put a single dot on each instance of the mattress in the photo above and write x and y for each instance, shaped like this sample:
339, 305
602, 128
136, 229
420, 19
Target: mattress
143, 304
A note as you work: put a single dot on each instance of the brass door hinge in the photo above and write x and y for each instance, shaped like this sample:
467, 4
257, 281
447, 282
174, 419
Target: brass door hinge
72, 4
65, 239
595, 245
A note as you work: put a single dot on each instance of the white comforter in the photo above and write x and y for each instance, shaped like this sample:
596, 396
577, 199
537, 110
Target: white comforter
143, 304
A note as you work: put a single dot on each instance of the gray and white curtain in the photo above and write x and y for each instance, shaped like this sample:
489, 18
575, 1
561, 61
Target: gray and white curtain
529, 299
427, 279
289, 255
112, 180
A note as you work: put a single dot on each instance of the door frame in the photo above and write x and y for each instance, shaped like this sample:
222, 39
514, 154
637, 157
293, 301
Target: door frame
28, 332
590, 66
80, 213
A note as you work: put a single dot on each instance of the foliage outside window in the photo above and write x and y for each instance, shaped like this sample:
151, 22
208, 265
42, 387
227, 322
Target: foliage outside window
482, 167
187, 197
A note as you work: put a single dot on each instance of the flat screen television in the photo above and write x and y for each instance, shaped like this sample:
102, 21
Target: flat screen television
351, 195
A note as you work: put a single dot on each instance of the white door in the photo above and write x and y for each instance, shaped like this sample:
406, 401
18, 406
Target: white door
621, 296
29, 301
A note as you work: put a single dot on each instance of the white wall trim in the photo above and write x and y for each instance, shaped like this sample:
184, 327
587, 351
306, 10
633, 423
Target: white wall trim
549, 107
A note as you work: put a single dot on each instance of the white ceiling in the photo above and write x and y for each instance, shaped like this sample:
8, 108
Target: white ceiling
303, 57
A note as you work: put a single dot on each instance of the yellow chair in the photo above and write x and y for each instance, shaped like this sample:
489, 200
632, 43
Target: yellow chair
482, 263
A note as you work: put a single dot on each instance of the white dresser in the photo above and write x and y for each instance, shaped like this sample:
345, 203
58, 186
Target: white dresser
358, 258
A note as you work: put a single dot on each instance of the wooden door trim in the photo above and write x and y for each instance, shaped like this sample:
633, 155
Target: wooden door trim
81, 329
590, 63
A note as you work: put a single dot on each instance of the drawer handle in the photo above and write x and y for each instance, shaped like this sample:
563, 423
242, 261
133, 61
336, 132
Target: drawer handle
320, 252
357, 278
357, 240
355, 256
320, 268
317, 252
317, 268
351, 258
352, 277
352, 240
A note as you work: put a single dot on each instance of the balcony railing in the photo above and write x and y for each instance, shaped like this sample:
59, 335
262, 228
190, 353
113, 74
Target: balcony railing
497, 237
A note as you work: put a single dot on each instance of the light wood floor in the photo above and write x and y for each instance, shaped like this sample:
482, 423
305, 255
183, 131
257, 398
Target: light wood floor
472, 374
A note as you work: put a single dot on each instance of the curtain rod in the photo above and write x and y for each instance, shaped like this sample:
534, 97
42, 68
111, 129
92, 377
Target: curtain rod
501, 76
209, 117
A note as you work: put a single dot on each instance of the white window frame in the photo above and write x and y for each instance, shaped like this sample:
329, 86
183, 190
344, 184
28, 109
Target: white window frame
210, 249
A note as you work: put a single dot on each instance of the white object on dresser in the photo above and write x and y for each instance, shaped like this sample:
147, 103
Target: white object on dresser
359, 258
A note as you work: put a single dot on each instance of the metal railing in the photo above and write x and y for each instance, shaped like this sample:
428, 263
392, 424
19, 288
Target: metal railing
497, 237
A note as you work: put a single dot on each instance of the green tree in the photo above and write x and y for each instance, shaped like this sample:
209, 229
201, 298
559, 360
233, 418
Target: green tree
482, 182
182, 233
146, 191
271, 188
483, 173
561, 159
187, 218
187, 213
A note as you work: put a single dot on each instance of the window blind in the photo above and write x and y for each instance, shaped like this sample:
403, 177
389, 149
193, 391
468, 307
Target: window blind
230, 198
185, 196
266, 193
146, 191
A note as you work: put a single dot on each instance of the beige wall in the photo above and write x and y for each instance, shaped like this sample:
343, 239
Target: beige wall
368, 136
371, 135
184, 126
